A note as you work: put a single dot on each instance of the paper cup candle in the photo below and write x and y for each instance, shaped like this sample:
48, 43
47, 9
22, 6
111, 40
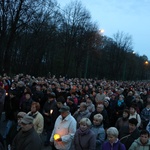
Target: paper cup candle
56, 136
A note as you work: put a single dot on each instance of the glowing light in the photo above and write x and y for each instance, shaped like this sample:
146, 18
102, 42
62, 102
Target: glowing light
146, 62
56, 136
51, 111
102, 31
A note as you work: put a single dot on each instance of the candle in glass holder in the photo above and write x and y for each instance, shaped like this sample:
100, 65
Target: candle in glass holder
56, 136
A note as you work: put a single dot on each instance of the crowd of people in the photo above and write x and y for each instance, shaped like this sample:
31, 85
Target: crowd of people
74, 114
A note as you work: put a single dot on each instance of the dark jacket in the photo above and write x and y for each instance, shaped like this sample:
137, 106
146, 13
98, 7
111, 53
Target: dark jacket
26, 105
49, 121
105, 117
28, 140
128, 138
84, 140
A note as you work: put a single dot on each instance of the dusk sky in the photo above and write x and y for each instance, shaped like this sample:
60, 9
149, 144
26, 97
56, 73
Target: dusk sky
128, 16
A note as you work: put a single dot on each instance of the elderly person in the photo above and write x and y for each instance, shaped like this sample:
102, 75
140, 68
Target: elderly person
27, 138
38, 121
85, 138
82, 112
113, 141
101, 110
99, 131
15, 128
64, 130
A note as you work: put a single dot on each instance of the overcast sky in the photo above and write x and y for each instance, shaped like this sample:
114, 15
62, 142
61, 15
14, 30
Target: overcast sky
129, 16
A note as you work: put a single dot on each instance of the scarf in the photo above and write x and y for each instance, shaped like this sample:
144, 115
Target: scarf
81, 132
120, 102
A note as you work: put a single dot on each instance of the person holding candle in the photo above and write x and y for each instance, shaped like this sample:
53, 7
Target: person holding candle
64, 130
50, 113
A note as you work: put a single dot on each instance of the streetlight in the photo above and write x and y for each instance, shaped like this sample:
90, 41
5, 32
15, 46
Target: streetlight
146, 62
101, 31
146, 68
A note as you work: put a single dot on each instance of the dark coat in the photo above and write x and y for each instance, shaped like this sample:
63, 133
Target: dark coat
84, 141
49, 121
105, 117
128, 138
28, 140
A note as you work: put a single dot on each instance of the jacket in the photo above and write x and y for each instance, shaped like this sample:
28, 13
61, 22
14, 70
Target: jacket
116, 146
28, 140
84, 140
137, 145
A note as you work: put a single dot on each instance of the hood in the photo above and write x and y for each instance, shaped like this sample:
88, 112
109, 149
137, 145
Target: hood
139, 142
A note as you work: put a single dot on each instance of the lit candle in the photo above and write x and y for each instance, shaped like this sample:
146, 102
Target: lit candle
56, 136
51, 111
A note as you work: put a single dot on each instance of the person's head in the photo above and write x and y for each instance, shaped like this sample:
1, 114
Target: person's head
35, 106
126, 113
20, 115
106, 101
83, 106
100, 107
12, 93
27, 95
132, 109
88, 101
112, 134
97, 119
100, 90
51, 96
137, 97
130, 93
26, 123
27, 89
121, 97
70, 100
132, 124
148, 105
60, 101
85, 123
144, 136
64, 111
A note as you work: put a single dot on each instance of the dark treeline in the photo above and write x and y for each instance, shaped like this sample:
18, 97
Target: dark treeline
38, 37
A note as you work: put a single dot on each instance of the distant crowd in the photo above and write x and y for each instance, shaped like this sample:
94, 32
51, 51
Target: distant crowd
74, 113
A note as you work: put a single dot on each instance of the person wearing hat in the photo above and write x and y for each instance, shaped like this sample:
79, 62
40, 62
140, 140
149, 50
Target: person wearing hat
27, 138
65, 127
128, 134
16, 127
